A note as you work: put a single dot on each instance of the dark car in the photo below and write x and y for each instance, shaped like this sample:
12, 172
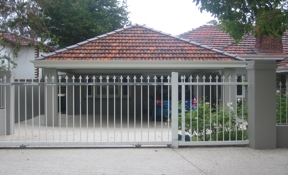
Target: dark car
162, 106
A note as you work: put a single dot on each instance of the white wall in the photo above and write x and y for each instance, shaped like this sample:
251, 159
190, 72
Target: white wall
24, 68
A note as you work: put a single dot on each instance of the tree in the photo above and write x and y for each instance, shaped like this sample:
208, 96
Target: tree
240, 17
65, 22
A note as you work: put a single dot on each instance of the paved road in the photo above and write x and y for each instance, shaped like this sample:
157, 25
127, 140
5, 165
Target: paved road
219, 160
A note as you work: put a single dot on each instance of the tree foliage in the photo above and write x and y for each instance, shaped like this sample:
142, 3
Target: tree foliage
65, 22
240, 17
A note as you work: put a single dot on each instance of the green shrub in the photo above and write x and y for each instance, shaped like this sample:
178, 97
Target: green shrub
211, 122
281, 108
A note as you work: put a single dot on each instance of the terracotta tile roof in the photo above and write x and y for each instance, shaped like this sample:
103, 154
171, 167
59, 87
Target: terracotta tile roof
139, 43
23, 41
209, 35
212, 36
244, 47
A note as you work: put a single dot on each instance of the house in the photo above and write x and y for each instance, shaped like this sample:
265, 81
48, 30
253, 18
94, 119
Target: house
133, 51
28, 50
101, 92
250, 48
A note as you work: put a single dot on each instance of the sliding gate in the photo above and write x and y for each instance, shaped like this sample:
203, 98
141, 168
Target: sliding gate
123, 110
84, 111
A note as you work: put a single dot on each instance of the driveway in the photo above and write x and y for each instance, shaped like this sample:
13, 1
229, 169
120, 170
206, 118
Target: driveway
210, 161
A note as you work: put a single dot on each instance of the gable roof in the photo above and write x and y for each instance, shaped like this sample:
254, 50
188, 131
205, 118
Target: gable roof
139, 43
212, 36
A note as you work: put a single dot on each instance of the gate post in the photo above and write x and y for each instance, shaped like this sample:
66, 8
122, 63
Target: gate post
51, 98
262, 104
7, 121
174, 108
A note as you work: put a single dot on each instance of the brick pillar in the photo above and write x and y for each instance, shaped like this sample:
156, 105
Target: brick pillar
262, 104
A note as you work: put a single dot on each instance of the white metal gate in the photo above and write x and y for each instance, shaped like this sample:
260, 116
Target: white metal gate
122, 110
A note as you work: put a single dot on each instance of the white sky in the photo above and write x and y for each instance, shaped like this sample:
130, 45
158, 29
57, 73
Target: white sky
169, 16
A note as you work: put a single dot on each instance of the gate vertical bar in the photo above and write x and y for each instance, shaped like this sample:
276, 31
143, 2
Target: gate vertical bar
80, 106
59, 106
25, 110
168, 80
107, 107
174, 107
135, 107
183, 108
114, 105
18, 89
128, 112
32, 96
87, 104
12, 106
39, 106
141, 78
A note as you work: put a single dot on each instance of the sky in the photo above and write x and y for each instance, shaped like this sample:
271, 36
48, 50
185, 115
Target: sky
169, 16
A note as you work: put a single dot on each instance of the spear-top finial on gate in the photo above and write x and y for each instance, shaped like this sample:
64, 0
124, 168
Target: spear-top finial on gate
128, 78
229, 78
168, 78
100, 78
73, 79
135, 78
87, 78
155, 78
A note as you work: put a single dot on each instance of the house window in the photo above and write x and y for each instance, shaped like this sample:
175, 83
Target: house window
102, 89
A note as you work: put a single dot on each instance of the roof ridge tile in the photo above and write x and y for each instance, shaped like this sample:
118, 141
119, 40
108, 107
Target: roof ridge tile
206, 46
92, 39
61, 50
81, 43
72, 46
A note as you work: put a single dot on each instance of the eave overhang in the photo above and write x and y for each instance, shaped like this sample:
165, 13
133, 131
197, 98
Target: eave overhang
263, 57
123, 64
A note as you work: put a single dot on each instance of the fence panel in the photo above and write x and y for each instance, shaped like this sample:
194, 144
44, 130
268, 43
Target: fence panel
281, 105
214, 114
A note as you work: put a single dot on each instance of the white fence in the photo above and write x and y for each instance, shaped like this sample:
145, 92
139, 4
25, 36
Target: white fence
281, 105
124, 110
